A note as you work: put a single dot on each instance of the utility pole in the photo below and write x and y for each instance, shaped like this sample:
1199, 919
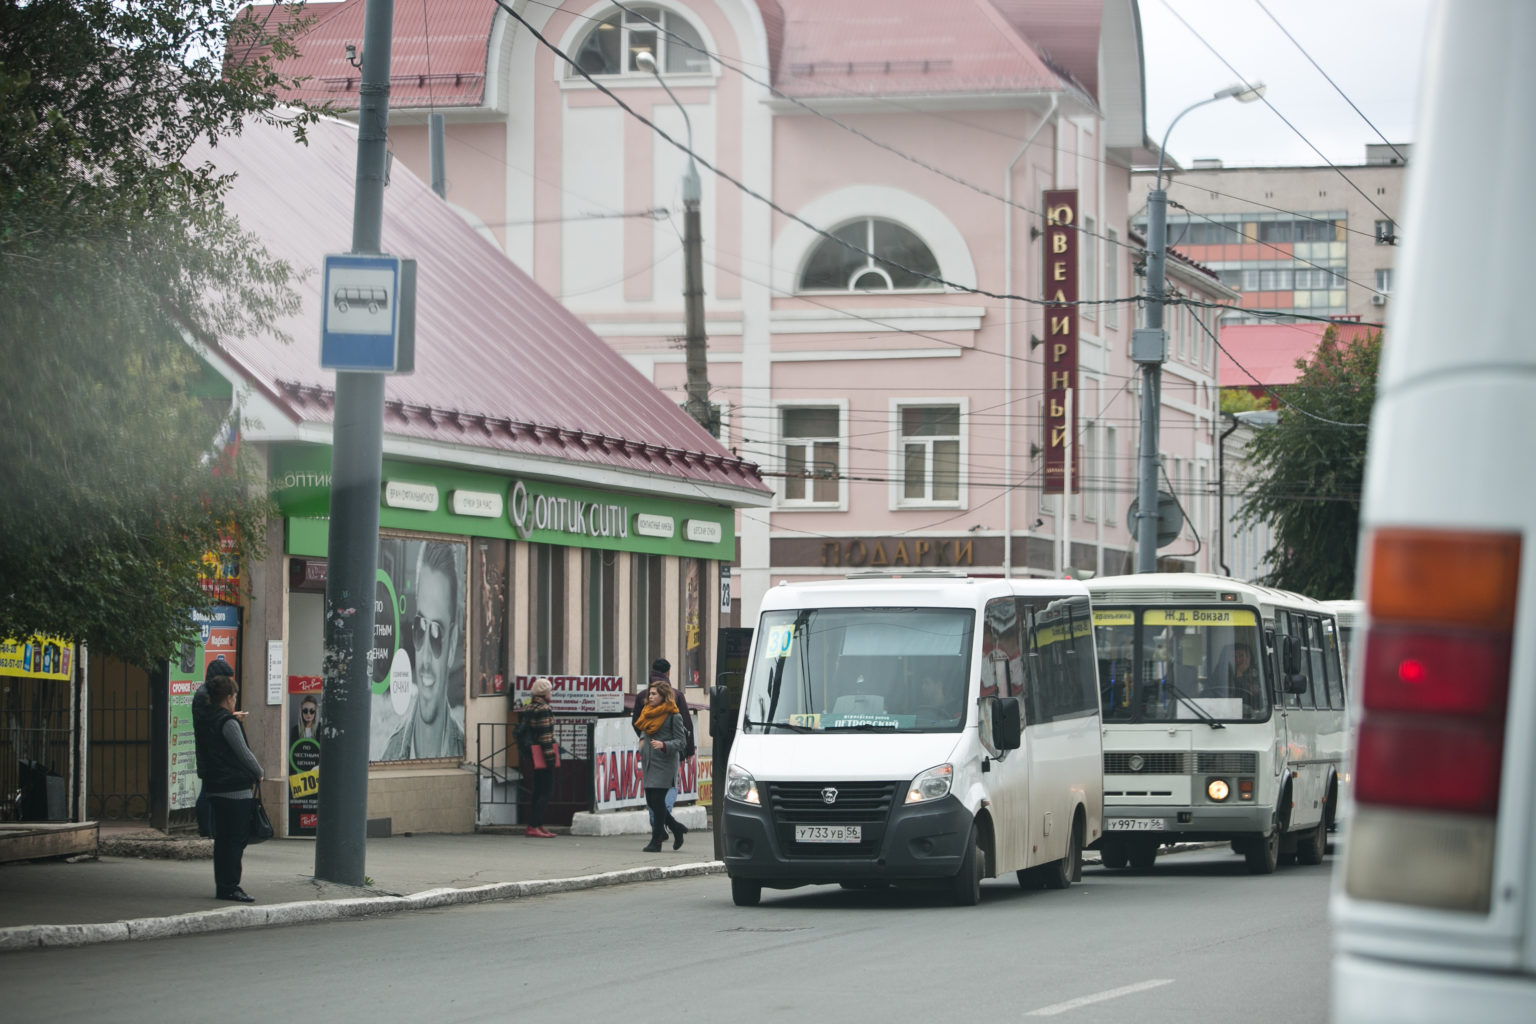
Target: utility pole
697, 343
357, 452
1149, 345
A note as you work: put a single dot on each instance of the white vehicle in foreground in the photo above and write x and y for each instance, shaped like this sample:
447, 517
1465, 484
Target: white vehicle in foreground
1434, 911
915, 731
1224, 718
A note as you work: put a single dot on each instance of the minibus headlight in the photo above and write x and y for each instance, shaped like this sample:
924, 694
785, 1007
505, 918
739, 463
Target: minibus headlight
740, 785
1218, 790
931, 784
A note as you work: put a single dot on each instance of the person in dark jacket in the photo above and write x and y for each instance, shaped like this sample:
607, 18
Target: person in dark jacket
541, 766
659, 669
662, 739
204, 810
229, 771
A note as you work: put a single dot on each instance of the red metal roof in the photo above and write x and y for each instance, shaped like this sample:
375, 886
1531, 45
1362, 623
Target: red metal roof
437, 55
500, 364
906, 47
1254, 354
817, 48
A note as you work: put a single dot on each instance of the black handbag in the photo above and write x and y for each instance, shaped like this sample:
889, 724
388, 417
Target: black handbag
261, 826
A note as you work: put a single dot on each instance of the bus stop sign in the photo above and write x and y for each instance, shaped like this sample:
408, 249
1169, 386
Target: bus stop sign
368, 321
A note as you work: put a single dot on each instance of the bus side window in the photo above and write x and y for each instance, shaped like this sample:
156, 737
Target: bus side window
1332, 664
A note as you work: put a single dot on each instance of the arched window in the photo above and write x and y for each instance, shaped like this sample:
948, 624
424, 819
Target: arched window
900, 260
611, 46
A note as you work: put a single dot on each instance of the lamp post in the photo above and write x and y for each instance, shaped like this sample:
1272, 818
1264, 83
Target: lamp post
696, 343
1149, 345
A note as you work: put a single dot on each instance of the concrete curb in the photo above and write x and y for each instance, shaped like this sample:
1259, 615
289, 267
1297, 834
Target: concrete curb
58, 936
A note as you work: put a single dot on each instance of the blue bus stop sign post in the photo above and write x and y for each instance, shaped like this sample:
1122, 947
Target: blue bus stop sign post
369, 317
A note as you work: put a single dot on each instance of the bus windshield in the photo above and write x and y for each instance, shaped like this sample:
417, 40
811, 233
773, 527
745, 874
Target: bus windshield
1168, 663
870, 669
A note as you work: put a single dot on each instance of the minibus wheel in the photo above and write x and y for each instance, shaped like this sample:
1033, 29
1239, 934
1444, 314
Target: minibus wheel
1112, 854
1311, 848
1069, 869
1143, 854
965, 887
745, 892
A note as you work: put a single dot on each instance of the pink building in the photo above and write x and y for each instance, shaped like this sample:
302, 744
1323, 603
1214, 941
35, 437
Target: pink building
877, 257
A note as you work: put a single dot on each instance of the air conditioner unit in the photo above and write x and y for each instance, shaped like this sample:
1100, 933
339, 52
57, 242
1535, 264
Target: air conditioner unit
1378, 299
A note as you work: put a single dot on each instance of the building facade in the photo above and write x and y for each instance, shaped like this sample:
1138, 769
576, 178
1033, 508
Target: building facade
1295, 242
919, 282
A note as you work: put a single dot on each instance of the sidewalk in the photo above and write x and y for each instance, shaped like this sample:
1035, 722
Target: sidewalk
143, 885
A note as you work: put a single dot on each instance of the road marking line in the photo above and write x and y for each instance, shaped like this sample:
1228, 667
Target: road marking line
1098, 997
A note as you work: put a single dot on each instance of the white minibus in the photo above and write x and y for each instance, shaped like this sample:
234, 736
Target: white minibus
1224, 718
1434, 910
914, 731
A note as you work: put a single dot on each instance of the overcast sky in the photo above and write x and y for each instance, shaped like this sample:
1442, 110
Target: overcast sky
1372, 49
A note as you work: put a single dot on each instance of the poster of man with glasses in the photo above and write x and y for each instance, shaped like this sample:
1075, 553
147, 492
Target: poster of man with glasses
421, 714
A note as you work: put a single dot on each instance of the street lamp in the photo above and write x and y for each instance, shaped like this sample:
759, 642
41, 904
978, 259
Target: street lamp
1149, 345
693, 269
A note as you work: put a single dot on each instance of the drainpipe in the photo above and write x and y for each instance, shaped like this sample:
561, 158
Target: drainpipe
1221, 494
1050, 117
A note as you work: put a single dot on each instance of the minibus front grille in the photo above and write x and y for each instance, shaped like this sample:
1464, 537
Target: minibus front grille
866, 804
1228, 762
1146, 762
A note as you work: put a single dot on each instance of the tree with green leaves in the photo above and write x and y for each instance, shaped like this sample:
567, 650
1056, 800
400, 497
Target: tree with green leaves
1309, 468
117, 262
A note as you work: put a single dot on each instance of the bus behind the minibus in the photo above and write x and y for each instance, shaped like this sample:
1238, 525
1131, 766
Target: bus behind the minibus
1224, 718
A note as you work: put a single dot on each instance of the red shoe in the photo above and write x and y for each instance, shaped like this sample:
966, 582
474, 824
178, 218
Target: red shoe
537, 833
545, 833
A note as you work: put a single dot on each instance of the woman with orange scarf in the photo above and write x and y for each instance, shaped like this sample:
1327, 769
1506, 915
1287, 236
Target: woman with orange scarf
662, 739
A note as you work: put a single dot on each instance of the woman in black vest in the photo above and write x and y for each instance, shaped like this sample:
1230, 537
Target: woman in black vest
229, 772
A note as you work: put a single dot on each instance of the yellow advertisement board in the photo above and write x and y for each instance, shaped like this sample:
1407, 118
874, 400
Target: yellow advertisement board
37, 657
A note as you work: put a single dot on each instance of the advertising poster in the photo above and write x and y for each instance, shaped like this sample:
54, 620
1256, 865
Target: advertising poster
578, 695
617, 781
417, 662
303, 753
217, 639
37, 657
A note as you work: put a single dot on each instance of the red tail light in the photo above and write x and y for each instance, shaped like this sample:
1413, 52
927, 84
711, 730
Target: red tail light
1437, 660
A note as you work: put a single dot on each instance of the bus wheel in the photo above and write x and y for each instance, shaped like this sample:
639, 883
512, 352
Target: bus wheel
1263, 852
1112, 855
745, 892
1069, 869
1311, 847
965, 887
1143, 854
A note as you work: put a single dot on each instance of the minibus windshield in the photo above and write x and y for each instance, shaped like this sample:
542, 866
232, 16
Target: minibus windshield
1162, 663
861, 669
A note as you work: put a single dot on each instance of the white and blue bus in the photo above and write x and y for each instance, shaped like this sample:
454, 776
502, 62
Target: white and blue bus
1224, 718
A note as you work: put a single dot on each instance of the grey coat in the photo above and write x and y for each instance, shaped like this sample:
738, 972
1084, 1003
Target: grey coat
660, 766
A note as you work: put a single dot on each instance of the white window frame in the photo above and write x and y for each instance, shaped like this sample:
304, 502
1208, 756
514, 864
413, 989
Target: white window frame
783, 503
1111, 475
1089, 496
581, 26
898, 498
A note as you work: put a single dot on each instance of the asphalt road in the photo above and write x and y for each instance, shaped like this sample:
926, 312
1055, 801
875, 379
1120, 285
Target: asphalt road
1198, 940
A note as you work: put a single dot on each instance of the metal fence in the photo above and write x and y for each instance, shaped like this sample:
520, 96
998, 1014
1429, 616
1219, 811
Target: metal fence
35, 740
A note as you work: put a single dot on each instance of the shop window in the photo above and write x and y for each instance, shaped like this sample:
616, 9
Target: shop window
601, 611
647, 614
546, 639
695, 618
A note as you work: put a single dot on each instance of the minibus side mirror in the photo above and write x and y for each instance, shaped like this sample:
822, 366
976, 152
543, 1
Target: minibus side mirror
1291, 659
1007, 723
